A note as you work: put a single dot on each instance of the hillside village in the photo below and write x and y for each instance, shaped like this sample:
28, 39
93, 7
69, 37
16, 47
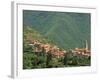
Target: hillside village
39, 47
41, 52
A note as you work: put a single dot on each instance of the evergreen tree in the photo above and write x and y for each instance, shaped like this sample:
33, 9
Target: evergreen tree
49, 58
65, 58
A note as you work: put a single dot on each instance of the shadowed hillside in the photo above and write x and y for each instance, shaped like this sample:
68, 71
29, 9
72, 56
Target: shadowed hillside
67, 30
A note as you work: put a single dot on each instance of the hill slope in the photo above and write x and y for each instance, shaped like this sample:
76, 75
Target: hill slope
68, 30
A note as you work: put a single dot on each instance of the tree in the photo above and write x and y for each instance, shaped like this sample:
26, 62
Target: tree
27, 48
27, 63
49, 58
75, 61
53, 63
65, 58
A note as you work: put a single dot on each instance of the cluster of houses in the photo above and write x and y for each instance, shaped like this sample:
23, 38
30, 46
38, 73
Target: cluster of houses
55, 51
83, 51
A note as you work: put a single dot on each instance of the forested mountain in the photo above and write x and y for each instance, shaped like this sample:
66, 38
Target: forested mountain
65, 29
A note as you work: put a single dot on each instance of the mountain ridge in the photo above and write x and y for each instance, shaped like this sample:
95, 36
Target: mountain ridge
68, 30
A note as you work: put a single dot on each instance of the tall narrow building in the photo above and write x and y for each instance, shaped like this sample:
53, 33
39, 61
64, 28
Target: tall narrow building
86, 44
